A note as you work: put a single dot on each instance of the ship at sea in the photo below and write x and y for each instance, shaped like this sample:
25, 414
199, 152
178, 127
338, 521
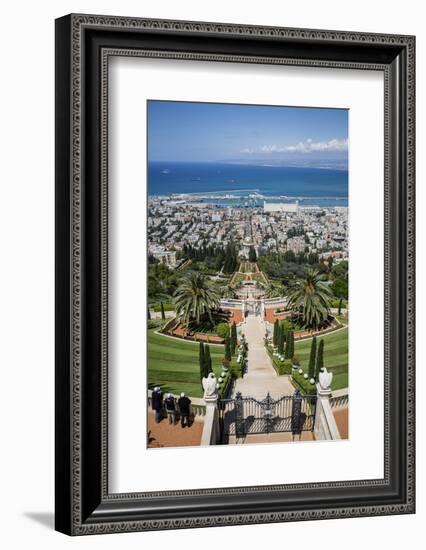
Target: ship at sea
249, 183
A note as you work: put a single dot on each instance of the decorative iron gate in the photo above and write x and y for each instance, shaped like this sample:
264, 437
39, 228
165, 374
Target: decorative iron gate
246, 415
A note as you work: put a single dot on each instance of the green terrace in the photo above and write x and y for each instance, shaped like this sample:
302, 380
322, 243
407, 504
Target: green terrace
335, 356
173, 364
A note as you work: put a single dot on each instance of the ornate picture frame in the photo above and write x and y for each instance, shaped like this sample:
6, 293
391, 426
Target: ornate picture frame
84, 44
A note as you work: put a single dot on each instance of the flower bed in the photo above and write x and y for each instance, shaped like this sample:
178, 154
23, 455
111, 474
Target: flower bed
173, 328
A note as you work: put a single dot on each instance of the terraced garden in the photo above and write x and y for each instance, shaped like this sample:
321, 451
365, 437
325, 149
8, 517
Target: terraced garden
260, 278
173, 364
335, 356
248, 267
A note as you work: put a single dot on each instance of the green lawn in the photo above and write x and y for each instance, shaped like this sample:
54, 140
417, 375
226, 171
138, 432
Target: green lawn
167, 307
335, 356
173, 364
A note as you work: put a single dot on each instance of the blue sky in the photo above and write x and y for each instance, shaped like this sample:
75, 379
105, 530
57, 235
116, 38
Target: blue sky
184, 131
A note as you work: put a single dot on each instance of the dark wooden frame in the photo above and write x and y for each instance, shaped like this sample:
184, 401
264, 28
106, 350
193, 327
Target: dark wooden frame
83, 46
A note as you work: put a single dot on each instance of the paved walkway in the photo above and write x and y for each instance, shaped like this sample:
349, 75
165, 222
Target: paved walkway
261, 376
275, 437
164, 434
341, 417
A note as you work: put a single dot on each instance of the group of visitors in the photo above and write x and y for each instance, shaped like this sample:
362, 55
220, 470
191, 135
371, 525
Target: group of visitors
171, 407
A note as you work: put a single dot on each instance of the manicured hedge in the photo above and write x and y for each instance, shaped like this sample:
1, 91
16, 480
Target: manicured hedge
225, 385
302, 384
281, 367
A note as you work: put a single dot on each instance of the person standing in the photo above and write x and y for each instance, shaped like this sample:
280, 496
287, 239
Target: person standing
157, 403
184, 408
170, 405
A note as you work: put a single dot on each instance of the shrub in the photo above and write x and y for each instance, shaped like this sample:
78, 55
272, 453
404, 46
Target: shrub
302, 384
289, 348
286, 367
202, 362
291, 338
236, 370
312, 357
287, 325
228, 353
224, 385
281, 339
154, 323
207, 360
242, 366
296, 360
319, 365
281, 367
233, 338
275, 333
222, 330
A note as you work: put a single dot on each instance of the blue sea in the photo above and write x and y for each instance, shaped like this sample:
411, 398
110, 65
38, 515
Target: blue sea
226, 183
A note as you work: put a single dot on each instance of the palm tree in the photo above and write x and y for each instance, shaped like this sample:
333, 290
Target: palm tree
274, 290
194, 297
227, 291
311, 298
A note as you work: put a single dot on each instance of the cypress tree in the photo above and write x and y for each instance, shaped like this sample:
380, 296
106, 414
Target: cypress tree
163, 315
287, 353
275, 335
149, 314
278, 338
201, 360
313, 358
289, 349
281, 339
284, 337
228, 355
292, 344
233, 338
320, 359
207, 361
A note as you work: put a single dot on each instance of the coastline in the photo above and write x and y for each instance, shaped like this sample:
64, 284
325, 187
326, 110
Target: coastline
247, 185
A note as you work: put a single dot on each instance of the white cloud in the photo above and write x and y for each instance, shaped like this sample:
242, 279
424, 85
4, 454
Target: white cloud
307, 146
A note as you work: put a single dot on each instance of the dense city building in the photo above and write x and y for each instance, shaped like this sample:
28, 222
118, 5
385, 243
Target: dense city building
172, 224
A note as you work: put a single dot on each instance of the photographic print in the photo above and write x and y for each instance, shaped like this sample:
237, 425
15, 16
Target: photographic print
248, 262
219, 231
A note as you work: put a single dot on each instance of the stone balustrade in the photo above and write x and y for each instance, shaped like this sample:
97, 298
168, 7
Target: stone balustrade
230, 302
211, 431
339, 399
325, 424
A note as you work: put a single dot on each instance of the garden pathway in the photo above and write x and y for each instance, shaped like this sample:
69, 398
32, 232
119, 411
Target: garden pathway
261, 376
